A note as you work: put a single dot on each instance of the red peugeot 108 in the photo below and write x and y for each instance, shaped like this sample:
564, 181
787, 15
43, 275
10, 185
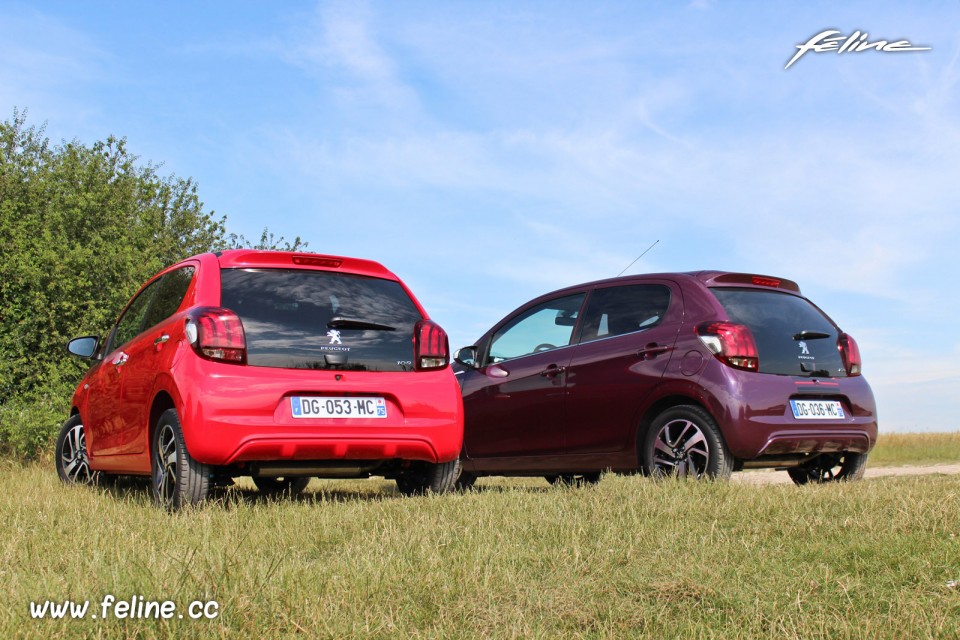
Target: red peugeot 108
275, 365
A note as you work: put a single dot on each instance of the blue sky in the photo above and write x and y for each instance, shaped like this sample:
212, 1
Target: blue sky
490, 152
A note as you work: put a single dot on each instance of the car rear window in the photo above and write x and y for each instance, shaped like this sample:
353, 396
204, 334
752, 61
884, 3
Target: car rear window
793, 336
301, 319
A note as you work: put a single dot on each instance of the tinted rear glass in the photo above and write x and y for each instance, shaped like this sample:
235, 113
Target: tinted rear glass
303, 319
793, 336
169, 295
615, 311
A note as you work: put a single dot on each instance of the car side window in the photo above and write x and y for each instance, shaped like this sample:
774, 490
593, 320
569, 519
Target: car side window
169, 295
131, 322
614, 311
544, 327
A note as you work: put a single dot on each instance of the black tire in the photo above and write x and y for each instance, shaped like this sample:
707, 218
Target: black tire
574, 479
178, 479
272, 486
425, 477
846, 466
684, 441
73, 465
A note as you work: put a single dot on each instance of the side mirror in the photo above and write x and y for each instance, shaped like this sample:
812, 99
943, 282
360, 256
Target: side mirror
466, 356
84, 347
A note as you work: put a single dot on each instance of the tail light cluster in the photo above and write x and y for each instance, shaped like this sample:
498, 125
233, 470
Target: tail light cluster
431, 348
731, 343
217, 334
850, 353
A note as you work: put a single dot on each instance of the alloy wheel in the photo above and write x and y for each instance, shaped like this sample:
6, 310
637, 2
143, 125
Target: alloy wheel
830, 467
166, 461
826, 469
681, 449
73, 456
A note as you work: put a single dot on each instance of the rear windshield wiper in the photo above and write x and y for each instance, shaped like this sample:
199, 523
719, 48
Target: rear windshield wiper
810, 335
339, 322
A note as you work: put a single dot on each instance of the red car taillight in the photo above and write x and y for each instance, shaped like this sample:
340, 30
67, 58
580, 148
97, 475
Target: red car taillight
431, 349
217, 334
850, 353
731, 343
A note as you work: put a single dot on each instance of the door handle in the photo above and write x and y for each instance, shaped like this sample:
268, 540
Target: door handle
160, 340
652, 350
120, 360
552, 371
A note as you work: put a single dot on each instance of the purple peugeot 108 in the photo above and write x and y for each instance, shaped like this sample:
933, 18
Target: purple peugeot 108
694, 374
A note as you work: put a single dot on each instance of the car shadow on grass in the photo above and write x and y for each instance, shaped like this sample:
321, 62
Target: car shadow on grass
382, 492
229, 496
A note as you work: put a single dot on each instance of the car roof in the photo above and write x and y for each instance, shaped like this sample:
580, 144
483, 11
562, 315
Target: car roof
708, 278
255, 258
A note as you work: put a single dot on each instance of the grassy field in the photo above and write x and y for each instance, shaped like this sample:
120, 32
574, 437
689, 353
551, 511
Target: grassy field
631, 557
896, 449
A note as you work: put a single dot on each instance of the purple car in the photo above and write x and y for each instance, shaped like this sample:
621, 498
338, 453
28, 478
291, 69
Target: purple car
690, 374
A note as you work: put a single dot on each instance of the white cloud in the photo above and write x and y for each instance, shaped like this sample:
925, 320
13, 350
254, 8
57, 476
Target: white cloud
340, 43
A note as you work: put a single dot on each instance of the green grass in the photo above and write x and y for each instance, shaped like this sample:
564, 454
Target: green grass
898, 449
630, 557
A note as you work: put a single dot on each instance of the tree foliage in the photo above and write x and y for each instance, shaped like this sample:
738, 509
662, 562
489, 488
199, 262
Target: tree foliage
268, 241
81, 228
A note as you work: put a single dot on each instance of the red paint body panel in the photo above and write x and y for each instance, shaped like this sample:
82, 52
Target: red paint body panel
233, 414
236, 414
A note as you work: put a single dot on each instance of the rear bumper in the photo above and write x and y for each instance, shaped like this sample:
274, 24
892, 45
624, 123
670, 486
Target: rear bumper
234, 414
824, 440
255, 447
754, 414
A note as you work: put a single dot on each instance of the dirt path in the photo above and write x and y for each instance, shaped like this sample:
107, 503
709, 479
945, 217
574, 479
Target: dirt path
767, 476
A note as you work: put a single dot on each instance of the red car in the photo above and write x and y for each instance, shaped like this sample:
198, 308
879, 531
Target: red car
694, 374
280, 366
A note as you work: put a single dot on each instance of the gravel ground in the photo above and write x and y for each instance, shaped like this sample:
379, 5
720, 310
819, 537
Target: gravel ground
768, 476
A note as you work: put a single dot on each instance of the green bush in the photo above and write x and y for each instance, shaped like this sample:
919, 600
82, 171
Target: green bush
28, 428
81, 227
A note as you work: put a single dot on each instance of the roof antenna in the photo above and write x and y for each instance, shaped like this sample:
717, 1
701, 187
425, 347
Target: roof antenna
638, 257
